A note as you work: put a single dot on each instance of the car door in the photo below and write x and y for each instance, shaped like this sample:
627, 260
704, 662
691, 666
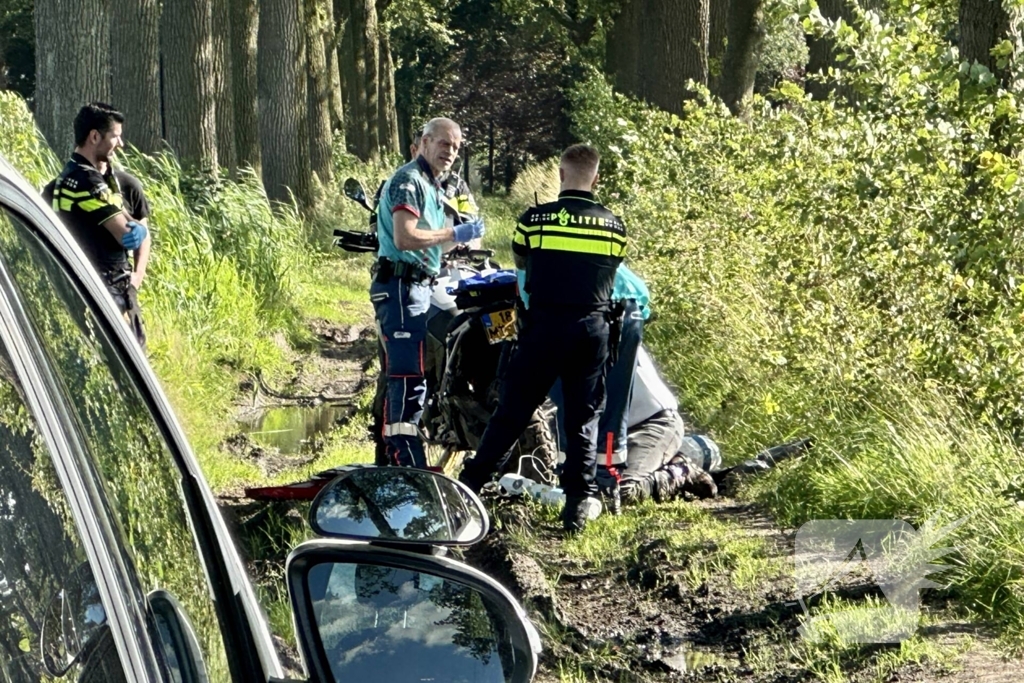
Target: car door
176, 592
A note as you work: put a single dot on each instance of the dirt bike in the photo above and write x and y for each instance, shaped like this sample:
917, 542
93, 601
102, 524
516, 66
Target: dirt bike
472, 326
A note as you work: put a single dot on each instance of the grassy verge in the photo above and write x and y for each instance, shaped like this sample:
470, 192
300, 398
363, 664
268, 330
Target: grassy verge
230, 282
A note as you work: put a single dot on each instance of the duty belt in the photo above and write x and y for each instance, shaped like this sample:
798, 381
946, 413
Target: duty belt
117, 277
385, 269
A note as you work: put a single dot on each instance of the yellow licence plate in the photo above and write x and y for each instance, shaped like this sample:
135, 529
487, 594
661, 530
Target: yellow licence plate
500, 325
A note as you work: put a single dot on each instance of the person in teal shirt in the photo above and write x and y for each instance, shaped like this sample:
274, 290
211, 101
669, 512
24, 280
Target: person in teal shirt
411, 229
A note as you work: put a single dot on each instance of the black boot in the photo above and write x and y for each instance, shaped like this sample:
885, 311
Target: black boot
574, 515
678, 477
471, 480
610, 490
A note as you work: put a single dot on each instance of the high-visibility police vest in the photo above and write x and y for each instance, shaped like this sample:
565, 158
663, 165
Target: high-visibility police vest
458, 195
572, 249
85, 199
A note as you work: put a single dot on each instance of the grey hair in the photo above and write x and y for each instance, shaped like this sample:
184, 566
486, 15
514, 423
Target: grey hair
436, 125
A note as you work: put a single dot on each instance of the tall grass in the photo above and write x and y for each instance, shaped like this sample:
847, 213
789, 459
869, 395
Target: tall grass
229, 284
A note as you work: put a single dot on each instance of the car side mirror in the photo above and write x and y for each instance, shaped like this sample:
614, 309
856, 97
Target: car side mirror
398, 506
353, 189
366, 613
73, 619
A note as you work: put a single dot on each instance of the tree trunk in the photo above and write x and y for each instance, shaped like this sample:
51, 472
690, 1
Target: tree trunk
187, 46
223, 85
3, 63
366, 56
244, 23
656, 46
623, 48
742, 56
674, 49
983, 23
351, 72
389, 138
718, 28
135, 70
332, 40
72, 65
284, 138
319, 90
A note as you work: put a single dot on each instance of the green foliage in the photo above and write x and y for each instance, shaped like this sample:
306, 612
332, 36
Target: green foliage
850, 273
17, 45
784, 51
22, 144
228, 283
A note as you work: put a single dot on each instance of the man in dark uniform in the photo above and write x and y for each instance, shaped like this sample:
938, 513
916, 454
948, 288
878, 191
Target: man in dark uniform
570, 250
87, 198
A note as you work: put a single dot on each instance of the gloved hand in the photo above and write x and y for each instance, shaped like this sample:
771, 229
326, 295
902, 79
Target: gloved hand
464, 232
133, 239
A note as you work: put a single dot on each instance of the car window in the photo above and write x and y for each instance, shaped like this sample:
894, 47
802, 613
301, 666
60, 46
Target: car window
41, 551
131, 461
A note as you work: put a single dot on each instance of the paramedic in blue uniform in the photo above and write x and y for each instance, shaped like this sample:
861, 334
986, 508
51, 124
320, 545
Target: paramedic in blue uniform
411, 229
570, 250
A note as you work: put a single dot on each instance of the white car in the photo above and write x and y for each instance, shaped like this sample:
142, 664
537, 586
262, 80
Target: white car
115, 562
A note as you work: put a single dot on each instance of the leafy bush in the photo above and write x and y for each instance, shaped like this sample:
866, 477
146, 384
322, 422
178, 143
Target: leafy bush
847, 272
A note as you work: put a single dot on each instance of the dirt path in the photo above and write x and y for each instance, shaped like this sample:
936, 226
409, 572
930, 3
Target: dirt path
651, 612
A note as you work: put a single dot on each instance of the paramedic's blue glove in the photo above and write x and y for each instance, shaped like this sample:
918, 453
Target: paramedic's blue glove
133, 239
464, 232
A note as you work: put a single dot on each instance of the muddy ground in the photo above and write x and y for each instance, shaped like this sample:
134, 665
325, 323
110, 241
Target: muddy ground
634, 618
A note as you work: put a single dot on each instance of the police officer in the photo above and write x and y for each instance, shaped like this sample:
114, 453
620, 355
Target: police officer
87, 198
570, 250
631, 306
411, 229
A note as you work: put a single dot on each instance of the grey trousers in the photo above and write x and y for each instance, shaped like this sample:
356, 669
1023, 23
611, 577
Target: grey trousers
650, 446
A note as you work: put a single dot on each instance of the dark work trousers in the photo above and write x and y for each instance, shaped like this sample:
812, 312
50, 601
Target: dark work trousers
555, 343
380, 394
652, 444
127, 299
401, 311
611, 439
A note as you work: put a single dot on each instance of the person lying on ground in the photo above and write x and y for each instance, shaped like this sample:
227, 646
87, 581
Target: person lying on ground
654, 466
664, 459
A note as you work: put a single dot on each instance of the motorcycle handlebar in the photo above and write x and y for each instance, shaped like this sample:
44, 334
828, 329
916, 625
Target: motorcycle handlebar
464, 253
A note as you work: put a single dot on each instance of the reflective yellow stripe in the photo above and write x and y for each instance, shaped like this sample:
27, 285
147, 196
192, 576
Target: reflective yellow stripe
92, 205
65, 205
466, 205
519, 236
74, 195
581, 245
568, 231
584, 232
573, 230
